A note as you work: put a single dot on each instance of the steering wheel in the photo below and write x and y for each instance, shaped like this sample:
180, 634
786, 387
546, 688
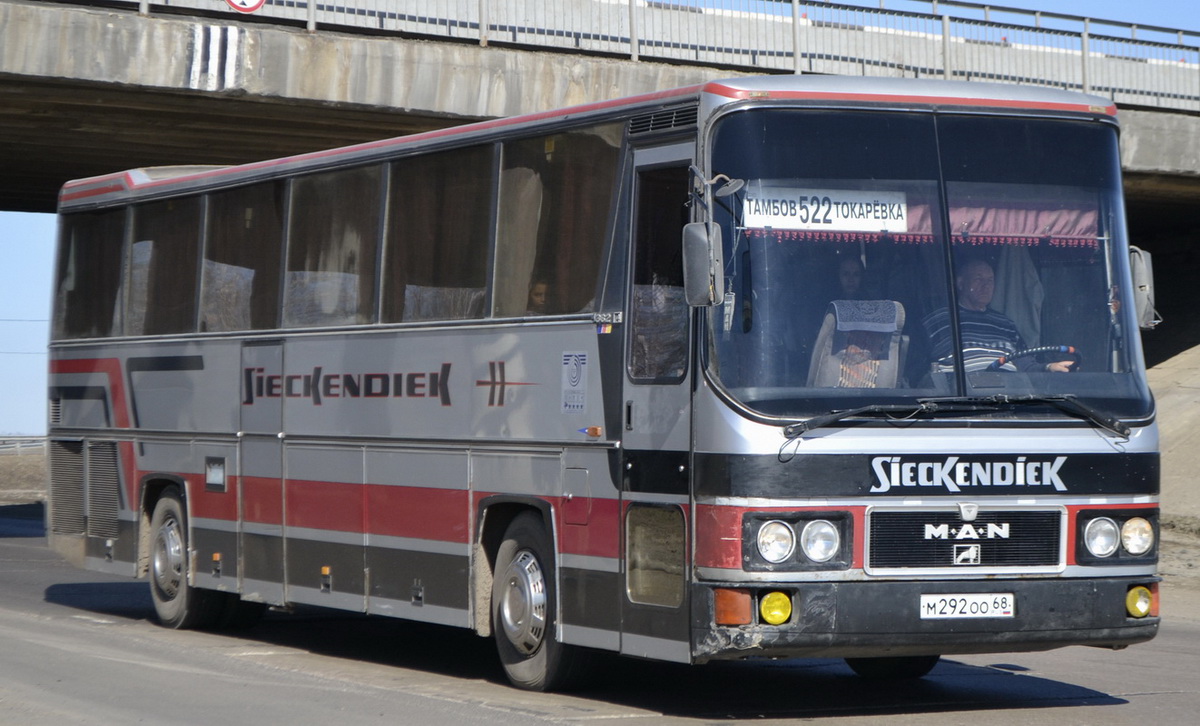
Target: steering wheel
1067, 349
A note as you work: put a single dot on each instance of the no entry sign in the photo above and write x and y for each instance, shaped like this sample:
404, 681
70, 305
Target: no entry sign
245, 6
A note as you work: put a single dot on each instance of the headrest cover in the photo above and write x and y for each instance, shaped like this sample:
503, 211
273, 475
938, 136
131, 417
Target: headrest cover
875, 316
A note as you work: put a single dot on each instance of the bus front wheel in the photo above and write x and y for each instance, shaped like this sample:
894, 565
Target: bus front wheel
177, 604
524, 606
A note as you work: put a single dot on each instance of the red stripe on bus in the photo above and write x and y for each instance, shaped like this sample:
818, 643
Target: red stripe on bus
110, 367
419, 513
262, 499
212, 504
599, 537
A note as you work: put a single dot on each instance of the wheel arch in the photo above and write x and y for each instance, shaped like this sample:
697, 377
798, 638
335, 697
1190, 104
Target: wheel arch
152, 488
492, 519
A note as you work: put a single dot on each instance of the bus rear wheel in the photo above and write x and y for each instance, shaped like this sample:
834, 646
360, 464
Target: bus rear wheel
524, 606
893, 668
177, 604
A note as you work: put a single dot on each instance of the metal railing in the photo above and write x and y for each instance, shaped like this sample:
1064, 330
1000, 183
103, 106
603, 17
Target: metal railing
18, 445
1130, 64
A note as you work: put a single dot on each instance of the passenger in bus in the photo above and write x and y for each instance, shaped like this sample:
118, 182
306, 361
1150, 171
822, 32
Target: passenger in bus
850, 278
538, 292
986, 334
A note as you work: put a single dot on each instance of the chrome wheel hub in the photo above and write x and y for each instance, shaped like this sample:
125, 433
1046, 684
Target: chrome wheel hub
168, 558
523, 603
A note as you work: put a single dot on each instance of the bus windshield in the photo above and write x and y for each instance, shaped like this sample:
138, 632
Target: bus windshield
884, 257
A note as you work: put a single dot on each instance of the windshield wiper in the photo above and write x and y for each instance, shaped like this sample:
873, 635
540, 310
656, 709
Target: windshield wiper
1066, 403
906, 410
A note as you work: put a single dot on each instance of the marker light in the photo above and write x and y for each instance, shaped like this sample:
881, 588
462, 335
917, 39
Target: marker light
775, 608
1101, 536
776, 541
820, 540
1137, 536
1139, 602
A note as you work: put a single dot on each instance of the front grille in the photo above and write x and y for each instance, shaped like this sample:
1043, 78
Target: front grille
941, 539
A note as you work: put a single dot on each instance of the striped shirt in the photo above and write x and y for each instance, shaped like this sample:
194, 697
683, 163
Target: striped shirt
986, 335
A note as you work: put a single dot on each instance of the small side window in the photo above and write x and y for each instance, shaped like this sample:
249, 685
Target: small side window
655, 555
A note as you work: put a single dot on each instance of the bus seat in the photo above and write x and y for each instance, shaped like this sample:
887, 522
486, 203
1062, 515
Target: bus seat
423, 302
859, 345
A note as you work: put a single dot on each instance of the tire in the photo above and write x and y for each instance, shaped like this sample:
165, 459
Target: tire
524, 606
177, 604
893, 668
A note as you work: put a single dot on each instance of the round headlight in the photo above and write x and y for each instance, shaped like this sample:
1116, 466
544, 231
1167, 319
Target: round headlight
776, 541
1101, 536
1137, 536
820, 540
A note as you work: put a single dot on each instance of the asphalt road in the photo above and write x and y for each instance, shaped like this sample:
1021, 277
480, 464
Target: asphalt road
79, 648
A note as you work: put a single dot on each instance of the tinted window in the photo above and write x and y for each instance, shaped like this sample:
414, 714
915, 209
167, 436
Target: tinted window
332, 246
438, 238
242, 259
556, 197
163, 279
89, 275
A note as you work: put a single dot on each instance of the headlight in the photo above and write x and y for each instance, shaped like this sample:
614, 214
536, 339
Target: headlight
776, 541
820, 540
1137, 536
1102, 536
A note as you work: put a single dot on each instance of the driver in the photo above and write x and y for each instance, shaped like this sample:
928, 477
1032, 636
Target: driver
986, 334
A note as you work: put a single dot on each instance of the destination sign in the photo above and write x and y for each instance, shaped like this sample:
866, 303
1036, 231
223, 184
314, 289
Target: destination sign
826, 209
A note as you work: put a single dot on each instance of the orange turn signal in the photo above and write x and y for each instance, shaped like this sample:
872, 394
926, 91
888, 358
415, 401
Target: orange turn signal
732, 607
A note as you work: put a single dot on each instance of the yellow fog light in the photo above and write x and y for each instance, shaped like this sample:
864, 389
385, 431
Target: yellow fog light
1139, 601
775, 608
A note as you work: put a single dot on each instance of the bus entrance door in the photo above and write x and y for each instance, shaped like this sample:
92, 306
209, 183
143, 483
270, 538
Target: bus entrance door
261, 440
656, 436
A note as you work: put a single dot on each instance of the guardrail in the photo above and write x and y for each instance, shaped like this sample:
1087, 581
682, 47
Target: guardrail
22, 445
1131, 64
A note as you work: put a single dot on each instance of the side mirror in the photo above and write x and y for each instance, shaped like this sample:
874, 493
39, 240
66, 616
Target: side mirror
703, 270
1142, 271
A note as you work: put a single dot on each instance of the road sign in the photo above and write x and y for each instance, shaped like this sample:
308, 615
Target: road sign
245, 6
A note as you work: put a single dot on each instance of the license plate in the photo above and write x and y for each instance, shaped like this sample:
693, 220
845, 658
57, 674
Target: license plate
968, 605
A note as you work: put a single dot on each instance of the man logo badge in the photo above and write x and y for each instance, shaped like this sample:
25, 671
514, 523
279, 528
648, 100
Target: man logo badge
967, 554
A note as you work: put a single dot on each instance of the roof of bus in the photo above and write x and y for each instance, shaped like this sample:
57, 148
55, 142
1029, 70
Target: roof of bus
122, 186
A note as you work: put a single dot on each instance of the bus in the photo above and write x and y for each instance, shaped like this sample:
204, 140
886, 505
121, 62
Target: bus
760, 368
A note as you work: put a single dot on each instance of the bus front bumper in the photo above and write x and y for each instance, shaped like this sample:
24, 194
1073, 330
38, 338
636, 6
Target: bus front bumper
867, 619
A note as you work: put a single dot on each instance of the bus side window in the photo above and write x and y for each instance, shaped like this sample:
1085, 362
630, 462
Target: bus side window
163, 279
658, 348
332, 241
240, 283
556, 197
436, 249
89, 275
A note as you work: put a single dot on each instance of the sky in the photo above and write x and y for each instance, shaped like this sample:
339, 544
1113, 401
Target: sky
27, 240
